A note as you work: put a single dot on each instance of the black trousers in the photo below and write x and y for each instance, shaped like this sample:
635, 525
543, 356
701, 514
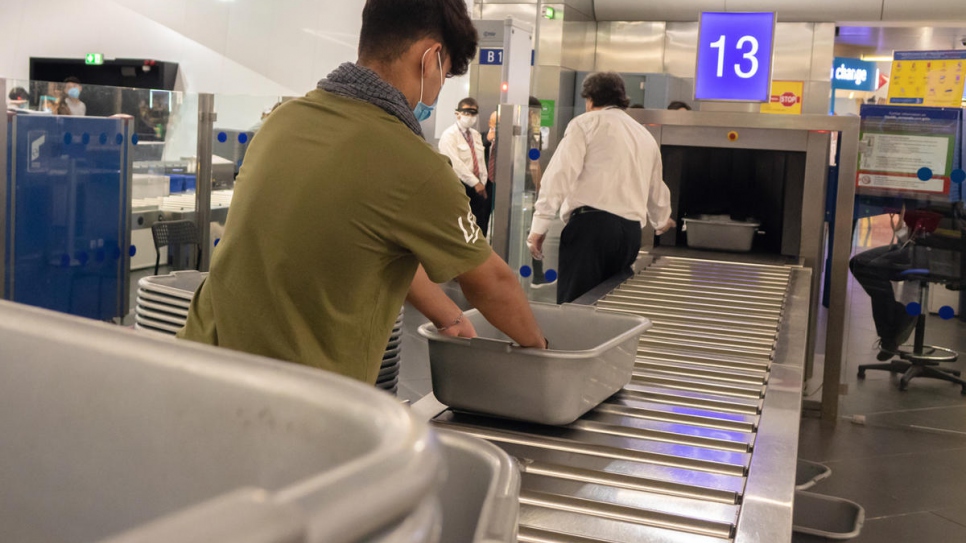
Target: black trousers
875, 270
481, 206
594, 247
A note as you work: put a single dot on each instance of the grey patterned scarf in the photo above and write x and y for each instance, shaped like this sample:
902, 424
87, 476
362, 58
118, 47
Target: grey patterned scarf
360, 83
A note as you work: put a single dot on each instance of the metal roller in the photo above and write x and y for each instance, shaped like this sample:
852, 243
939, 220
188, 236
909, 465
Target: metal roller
705, 305
668, 457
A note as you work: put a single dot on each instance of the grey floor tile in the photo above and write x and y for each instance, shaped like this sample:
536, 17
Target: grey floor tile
942, 419
414, 390
914, 528
825, 442
954, 514
895, 485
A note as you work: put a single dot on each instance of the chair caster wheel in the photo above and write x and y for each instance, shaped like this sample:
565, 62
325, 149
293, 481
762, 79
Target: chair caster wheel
861, 374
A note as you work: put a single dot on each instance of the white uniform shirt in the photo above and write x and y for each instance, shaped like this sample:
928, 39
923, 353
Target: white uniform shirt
77, 108
607, 161
453, 145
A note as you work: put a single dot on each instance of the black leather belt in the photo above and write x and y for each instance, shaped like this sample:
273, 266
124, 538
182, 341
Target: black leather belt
584, 209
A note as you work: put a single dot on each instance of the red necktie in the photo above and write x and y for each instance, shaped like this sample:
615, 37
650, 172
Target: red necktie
472, 144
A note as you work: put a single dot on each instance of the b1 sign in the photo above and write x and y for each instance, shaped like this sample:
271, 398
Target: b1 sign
735, 53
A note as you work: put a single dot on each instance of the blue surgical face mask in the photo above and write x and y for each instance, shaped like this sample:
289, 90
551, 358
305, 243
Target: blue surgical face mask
422, 111
73, 92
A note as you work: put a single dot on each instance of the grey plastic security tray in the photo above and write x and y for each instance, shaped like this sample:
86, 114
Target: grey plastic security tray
107, 432
591, 358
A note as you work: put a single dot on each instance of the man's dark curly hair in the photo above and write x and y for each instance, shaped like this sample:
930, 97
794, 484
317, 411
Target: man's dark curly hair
605, 89
390, 27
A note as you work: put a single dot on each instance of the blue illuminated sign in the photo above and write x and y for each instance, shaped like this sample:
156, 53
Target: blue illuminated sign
494, 57
735, 57
491, 57
854, 74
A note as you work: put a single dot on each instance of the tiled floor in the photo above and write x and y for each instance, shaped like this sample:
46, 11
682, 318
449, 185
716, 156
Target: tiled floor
905, 463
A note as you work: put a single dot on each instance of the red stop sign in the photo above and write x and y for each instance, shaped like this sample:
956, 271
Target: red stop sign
788, 99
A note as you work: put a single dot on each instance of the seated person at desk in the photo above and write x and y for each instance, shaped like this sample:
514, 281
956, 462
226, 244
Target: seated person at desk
70, 103
877, 268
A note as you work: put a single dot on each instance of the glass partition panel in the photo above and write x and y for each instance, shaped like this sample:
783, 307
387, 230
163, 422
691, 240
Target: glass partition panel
908, 262
523, 173
68, 190
160, 161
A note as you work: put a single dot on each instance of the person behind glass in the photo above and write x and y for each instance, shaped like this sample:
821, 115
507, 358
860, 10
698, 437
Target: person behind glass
70, 103
463, 144
605, 179
679, 105
18, 98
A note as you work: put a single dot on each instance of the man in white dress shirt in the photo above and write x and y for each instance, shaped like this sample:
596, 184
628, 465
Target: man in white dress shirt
463, 144
605, 179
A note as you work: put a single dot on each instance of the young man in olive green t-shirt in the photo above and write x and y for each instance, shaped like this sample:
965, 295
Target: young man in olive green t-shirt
339, 202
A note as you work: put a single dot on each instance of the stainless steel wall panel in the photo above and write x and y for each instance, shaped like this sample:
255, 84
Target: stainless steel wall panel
920, 10
823, 52
549, 37
585, 7
793, 52
578, 45
636, 47
518, 10
817, 96
814, 10
681, 49
654, 10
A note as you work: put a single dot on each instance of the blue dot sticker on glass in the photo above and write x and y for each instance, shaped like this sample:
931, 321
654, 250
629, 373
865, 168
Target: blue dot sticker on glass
102, 138
134, 139
119, 139
132, 251
83, 258
550, 276
924, 174
958, 176
86, 138
222, 137
534, 154
217, 241
526, 271
243, 138
68, 138
947, 313
914, 309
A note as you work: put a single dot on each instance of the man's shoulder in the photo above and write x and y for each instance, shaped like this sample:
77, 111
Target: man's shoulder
451, 131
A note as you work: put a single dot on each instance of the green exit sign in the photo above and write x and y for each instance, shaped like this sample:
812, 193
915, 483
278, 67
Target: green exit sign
94, 59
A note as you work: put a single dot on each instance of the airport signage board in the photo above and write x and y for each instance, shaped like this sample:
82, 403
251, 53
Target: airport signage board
735, 57
854, 74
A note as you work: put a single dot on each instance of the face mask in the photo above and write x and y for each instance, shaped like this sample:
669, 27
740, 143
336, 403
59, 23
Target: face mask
467, 122
73, 92
422, 111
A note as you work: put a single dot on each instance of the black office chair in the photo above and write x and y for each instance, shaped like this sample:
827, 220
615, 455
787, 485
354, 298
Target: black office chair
923, 360
176, 233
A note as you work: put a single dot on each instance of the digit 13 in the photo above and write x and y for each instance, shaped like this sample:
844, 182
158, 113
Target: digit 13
749, 56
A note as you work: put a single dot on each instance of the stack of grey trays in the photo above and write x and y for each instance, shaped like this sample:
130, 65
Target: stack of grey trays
389, 372
163, 301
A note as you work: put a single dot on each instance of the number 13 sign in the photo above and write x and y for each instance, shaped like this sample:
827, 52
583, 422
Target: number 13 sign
735, 57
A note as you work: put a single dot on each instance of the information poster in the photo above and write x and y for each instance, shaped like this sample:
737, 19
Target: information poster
908, 150
786, 98
928, 78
